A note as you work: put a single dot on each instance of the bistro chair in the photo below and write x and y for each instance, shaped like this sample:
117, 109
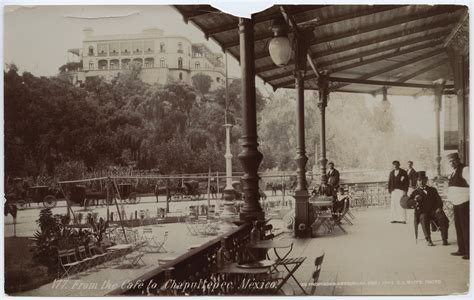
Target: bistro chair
68, 262
317, 263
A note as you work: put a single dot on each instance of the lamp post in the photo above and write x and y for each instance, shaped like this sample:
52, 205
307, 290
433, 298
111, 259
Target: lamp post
229, 212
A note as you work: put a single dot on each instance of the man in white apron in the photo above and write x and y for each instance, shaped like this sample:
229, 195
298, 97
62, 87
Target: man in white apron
458, 194
397, 187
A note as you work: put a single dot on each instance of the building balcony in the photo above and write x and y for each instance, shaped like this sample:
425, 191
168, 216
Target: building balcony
103, 54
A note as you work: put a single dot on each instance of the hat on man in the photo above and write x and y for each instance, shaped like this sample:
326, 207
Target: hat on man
422, 175
395, 162
454, 155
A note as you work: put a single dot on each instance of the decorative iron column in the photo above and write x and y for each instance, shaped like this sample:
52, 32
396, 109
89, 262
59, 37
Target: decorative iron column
323, 88
249, 157
302, 206
438, 93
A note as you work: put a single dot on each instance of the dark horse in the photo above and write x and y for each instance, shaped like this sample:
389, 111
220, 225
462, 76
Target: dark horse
274, 187
10, 208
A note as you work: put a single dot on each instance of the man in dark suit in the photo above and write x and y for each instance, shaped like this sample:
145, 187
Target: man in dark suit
333, 176
397, 187
333, 180
429, 206
412, 177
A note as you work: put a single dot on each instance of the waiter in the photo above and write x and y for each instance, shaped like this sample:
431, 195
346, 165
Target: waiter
397, 187
458, 194
429, 206
412, 177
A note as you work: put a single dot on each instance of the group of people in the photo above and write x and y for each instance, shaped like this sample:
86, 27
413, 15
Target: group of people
409, 189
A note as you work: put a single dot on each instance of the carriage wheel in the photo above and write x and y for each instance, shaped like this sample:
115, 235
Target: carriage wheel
132, 198
109, 202
177, 196
49, 201
21, 204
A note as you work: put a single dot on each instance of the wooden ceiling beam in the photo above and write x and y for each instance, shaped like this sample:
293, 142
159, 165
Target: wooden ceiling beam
383, 57
371, 9
422, 71
377, 82
375, 51
417, 73
437, 10
384, 38
402, 64
386, 69
319, 40
376, 40
383, 83
259, 19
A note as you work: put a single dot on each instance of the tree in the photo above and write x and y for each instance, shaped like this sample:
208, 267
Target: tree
202, 83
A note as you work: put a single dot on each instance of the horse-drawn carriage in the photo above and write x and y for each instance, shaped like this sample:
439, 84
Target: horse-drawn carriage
188, 191
23, 195
36, 194
84, 195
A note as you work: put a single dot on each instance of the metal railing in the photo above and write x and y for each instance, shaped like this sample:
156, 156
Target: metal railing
198, 263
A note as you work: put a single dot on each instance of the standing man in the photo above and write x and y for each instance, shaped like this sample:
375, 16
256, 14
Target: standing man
397, 187
429, 206
412, 177
458, 194
333, 176
333, 180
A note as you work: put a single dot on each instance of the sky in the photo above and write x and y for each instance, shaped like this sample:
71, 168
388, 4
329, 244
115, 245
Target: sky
36, 39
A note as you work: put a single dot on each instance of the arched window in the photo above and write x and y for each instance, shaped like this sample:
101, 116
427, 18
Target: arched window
91, 51
218, 79
162, 63
91, 65
197, 65
149, 62
162, 47
180, 76
180, 47
180, 63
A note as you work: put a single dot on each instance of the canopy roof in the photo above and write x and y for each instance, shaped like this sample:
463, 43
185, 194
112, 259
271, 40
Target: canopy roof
362, 47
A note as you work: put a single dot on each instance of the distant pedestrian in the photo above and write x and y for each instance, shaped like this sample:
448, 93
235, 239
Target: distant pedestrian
458, 194
397, 187
412, 177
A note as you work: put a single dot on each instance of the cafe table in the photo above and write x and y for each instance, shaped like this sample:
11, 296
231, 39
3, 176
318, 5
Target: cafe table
119, 250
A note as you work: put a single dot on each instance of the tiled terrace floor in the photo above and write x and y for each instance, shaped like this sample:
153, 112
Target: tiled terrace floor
379, 258
373, 258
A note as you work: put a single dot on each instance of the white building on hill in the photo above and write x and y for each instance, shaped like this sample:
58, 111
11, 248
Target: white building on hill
163, 58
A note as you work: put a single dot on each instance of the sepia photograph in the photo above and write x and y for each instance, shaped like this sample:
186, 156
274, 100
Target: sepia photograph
187, 150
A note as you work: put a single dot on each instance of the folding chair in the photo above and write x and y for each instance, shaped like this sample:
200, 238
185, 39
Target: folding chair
87, 260
317, 263
191, 226
68, 262
134, 259
96, 254
291, 265
153, 244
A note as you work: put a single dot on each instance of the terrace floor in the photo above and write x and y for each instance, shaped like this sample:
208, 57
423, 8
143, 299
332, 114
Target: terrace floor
376, 257
373, 258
